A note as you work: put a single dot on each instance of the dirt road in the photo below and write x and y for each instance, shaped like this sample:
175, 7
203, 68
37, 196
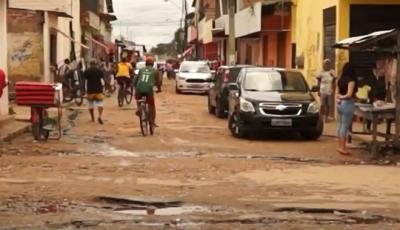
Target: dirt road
192, 173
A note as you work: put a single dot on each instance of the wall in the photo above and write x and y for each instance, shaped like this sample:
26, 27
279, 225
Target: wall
25, 47
3, 53
307, 33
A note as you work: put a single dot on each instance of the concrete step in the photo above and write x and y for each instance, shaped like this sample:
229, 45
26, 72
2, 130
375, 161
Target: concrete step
5, 119
13, 129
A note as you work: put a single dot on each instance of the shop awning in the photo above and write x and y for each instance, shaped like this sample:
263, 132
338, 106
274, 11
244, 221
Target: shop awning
187, 51
69, 37
377, 41
100, 44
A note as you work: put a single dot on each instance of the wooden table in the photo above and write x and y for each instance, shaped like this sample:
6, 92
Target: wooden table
375, 115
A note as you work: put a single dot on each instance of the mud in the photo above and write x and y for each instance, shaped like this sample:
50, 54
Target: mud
224, 183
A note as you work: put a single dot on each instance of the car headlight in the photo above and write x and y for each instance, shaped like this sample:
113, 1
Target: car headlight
246, 106
181, 78
313, 107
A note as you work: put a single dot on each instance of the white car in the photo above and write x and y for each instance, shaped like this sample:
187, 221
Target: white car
141, 65
193, 76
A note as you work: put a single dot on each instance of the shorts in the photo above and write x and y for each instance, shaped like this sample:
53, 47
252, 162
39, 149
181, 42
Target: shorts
95, 100
149, 96
326, 100
124, 81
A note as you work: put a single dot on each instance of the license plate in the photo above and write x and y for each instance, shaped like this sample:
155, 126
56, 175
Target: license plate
281, 122
195, 86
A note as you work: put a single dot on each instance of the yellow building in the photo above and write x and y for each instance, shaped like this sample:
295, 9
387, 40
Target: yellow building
318, 24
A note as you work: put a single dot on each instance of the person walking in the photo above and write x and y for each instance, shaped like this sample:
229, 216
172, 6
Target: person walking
94, 77
326, 79
345, 98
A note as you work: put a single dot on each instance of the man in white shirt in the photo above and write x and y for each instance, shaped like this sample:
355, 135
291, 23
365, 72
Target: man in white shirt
326, 81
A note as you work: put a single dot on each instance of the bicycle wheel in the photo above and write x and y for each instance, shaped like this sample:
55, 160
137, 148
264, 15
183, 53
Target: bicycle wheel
79, 97
150, 122
128, 97
144, 127
120, 97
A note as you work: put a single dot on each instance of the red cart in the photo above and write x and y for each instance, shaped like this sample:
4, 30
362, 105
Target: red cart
40, 97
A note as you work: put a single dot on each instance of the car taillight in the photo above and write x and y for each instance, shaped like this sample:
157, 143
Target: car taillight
226, 76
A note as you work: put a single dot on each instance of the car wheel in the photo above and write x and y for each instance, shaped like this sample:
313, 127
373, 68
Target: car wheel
177, 90
211, 109
235, 126
219, 111
316, 134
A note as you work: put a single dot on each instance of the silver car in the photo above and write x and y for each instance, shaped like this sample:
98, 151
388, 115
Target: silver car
194, 77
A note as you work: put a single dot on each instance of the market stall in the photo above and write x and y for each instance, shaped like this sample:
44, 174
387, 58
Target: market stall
380, 42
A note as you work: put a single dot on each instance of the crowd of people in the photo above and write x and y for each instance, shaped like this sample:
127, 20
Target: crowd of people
99, 79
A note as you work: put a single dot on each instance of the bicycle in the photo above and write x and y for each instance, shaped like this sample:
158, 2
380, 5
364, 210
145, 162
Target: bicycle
73, 88
146, 125
123, 95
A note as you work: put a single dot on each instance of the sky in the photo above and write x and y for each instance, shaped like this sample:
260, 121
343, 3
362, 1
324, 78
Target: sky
147, 22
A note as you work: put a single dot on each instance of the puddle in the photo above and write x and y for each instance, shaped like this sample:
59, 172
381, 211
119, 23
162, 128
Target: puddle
171, 211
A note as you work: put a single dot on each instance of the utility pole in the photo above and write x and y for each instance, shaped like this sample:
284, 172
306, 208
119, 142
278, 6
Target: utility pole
232, 39
185, 25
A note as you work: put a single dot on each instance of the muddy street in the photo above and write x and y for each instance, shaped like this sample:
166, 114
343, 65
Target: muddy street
192, 174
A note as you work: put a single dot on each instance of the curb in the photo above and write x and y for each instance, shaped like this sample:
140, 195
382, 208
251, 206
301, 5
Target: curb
24, 126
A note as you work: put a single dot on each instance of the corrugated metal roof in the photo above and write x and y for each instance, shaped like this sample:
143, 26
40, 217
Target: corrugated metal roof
366, 40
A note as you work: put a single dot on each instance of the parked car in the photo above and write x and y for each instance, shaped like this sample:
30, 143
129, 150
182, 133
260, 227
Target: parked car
219, 92
193, 76
271, 99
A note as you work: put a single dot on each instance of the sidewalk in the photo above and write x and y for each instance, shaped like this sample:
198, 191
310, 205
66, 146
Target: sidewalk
11, 128
14, 125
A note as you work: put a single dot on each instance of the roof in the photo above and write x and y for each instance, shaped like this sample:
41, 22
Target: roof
384, 40
110, 7
108, 17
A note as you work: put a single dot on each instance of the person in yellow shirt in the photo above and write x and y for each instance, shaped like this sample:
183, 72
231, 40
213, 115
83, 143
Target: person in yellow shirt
124, 71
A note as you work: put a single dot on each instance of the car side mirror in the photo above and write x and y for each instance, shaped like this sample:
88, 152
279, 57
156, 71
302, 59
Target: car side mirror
233, 86
314, 89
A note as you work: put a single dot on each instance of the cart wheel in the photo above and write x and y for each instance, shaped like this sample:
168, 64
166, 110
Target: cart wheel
36, 131
46, 134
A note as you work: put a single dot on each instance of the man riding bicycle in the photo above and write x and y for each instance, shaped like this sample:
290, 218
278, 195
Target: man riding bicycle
147, 78
124, 71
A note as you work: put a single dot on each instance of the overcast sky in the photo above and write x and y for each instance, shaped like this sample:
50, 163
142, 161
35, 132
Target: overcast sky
147, 22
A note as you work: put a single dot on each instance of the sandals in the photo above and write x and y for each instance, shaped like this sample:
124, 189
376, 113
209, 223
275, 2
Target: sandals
342, 152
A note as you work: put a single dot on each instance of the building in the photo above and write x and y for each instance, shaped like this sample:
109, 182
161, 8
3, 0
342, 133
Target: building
263, 32
206, 48
3, 53
42, 34
317, 25
96, 16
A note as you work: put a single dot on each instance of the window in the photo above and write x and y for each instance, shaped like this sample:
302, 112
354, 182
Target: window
263, 81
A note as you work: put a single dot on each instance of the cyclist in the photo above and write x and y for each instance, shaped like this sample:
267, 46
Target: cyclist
124, 71
147, 78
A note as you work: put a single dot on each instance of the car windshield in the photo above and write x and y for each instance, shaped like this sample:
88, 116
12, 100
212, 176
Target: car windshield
195, 68
275, 81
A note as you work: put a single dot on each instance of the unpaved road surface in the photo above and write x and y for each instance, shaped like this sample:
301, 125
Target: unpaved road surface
214, 180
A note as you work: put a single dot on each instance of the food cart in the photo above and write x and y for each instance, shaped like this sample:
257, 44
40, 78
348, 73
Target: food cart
387, 41
40, 97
